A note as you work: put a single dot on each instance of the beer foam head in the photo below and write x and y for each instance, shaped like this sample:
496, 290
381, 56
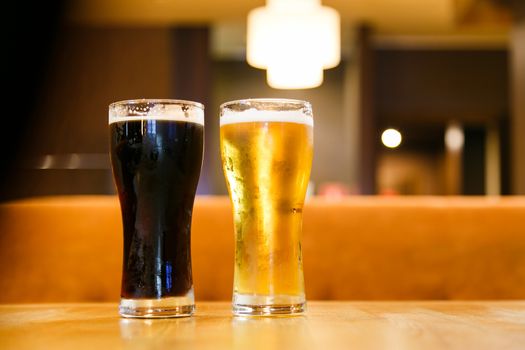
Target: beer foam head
266, 110
174, 110
266, 116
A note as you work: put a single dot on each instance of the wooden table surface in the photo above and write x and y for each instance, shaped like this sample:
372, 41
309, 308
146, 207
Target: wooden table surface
327, 325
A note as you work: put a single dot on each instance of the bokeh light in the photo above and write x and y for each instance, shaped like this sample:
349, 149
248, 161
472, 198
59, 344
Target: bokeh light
391, 138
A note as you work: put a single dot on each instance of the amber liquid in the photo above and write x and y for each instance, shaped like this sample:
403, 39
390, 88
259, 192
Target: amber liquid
267, 168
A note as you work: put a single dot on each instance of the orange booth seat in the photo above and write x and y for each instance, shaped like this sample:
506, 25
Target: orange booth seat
65, 249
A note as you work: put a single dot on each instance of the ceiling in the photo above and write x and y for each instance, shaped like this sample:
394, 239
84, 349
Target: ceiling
386, 16
429, 24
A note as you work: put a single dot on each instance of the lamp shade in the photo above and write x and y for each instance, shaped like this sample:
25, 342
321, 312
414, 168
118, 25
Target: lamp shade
294, 40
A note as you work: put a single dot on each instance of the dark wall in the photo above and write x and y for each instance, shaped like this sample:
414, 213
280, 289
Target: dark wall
87, 68
435, 86
29, 32
421, 91
473, 165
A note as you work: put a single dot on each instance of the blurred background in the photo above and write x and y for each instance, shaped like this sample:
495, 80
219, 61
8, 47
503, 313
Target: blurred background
448, 75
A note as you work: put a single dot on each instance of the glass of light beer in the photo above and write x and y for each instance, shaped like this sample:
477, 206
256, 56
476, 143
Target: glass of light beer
156, 149
266, 149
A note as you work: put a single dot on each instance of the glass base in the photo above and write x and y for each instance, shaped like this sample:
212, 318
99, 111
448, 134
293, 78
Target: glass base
182, 306
264, 305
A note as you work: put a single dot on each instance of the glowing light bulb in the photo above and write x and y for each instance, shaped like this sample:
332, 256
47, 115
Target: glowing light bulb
454, 137
391, 138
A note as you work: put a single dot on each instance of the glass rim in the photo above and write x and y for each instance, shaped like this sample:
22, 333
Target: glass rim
269, 100
160, 101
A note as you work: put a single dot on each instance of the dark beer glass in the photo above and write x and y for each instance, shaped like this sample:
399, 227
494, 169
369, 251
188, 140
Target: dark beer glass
156, 155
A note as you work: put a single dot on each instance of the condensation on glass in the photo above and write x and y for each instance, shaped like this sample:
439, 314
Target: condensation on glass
266, 149
156, 149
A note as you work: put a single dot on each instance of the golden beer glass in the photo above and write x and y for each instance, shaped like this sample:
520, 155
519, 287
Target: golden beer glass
266, 150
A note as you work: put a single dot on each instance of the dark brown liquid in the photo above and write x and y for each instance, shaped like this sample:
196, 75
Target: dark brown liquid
156, 166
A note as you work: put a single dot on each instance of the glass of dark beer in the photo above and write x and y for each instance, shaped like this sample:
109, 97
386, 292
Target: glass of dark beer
156, 156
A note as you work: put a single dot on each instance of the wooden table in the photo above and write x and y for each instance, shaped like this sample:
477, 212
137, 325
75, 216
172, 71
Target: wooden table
327, 325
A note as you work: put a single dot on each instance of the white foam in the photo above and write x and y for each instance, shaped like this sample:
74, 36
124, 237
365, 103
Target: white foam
253, 115
168, 112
